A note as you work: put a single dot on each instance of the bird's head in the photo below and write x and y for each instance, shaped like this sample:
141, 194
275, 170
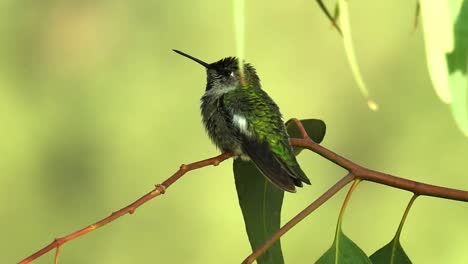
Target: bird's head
226, 73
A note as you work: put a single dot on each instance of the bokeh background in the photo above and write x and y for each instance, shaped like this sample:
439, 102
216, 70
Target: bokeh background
95, 108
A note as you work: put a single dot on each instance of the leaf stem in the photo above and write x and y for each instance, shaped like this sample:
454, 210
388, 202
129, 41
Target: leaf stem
405, 214
340, 217
396, 239
345, 203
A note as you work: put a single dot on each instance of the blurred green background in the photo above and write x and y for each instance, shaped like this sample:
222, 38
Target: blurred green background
95, 108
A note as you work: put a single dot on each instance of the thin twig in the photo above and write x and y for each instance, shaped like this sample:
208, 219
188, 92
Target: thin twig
355, 172
301, 129
296, 219
130, 209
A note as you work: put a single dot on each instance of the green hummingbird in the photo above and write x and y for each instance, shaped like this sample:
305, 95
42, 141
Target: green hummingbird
241, 118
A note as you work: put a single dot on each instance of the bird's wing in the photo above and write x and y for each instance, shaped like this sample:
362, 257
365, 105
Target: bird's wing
268, 164
264, 138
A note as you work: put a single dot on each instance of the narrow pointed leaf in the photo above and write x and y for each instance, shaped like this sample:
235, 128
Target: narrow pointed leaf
336, 13
343, 251
446, 42
261, 202
438, 40
333, 19
392, 253
350, 53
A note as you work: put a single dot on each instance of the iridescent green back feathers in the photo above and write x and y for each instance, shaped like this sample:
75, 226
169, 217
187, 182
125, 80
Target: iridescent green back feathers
241, 118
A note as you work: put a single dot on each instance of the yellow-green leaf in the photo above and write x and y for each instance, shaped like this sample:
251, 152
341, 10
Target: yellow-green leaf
438, 39
350, 53
343, 251
457, 62
392, 253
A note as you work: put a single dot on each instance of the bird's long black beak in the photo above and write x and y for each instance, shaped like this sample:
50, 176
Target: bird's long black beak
206, 65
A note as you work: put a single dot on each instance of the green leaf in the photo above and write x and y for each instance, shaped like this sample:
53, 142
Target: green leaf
261, 204
446, 42
336, 12
392, 253
315, 128
261, 201
457, 62
342, 9
333, 19
343, 251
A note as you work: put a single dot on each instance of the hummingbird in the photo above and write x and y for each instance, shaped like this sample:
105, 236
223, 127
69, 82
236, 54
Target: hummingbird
242, 119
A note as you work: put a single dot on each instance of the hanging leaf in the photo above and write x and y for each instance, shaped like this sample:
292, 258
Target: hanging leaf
350, 53
342, 10
343, 251
333, 19
438, 40
261, 201
336, 12
457, 62
261, 204
446, 42
392, 253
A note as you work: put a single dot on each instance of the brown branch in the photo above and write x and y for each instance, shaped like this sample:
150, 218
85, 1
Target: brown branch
362, 173
355, 172
129, 209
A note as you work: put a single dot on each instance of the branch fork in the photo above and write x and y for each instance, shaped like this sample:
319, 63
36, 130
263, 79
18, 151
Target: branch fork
355, 172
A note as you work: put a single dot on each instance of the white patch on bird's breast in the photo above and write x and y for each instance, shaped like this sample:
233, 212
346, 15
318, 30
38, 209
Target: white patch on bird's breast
241, 123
